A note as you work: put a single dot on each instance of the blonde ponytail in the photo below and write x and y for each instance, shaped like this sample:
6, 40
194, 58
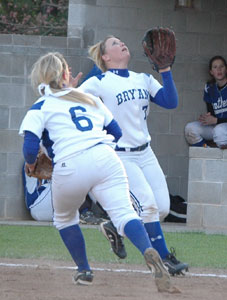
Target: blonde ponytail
97, 51
48, 70
76, 96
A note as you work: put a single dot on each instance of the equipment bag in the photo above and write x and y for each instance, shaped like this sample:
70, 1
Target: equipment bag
178, 210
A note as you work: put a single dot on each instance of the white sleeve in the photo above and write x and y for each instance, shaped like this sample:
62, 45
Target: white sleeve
34, 122
153, 86
91, 86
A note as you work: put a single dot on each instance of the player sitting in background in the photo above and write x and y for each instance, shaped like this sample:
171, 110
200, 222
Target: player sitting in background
212, 126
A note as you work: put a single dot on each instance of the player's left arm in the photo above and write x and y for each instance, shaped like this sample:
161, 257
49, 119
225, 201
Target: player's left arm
167, 95
114, 129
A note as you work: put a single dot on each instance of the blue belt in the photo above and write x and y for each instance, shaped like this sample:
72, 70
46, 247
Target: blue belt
140, 148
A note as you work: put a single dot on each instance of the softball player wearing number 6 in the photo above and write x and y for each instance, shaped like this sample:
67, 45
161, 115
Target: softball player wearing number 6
84, 160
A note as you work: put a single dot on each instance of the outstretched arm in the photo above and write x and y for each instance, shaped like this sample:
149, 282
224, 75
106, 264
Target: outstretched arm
167, 96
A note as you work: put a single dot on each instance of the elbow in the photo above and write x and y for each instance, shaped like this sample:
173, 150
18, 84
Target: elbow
29, 157
118, 136
174, 106
173, 103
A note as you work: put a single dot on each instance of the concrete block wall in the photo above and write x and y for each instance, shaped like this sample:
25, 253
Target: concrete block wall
200, 33
207, 190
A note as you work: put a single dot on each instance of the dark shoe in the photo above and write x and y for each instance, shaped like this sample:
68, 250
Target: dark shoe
116, 240
161, 275
83, 277
89, 218
174, 266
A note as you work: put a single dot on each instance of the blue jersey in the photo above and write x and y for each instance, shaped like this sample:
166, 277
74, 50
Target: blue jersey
217, 98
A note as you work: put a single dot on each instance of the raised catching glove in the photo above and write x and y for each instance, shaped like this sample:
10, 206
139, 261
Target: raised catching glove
43, 167
159, 45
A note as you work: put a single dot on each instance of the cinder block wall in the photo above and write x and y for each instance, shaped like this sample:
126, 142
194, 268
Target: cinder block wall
207, 189
200, 33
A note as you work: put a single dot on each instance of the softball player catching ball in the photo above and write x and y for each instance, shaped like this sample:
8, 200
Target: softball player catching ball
128, 95
82, 131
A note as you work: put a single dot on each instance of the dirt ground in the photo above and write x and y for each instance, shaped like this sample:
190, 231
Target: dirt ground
47, 280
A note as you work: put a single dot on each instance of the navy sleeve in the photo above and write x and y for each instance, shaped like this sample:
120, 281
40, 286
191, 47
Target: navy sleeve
94, 71
210, 108
167, 96
30, 147
114, 129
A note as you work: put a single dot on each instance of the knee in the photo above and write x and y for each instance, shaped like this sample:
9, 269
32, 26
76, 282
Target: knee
188, 128
62, 221
163, 213
220, 135
189, 132
192, 132
150, 214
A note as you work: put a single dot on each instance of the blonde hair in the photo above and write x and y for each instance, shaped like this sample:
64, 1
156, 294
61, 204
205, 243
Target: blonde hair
97, 51
49, 69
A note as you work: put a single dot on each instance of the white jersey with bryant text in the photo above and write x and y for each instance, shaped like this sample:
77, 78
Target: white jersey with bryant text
72, 126
128, 100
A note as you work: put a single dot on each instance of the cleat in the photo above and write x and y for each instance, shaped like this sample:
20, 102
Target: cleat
116, 240
89, 218
174, 266
83, 277
161, 275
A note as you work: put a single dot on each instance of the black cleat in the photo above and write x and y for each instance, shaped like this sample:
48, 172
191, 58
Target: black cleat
116, 240
174, 266
83, 277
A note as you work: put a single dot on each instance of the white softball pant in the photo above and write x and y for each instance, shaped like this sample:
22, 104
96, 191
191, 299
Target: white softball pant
147, 184
99, 170
195, 132
42, 208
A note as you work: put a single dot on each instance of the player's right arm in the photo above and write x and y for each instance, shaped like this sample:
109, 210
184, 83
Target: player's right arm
31, 129
91, 85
